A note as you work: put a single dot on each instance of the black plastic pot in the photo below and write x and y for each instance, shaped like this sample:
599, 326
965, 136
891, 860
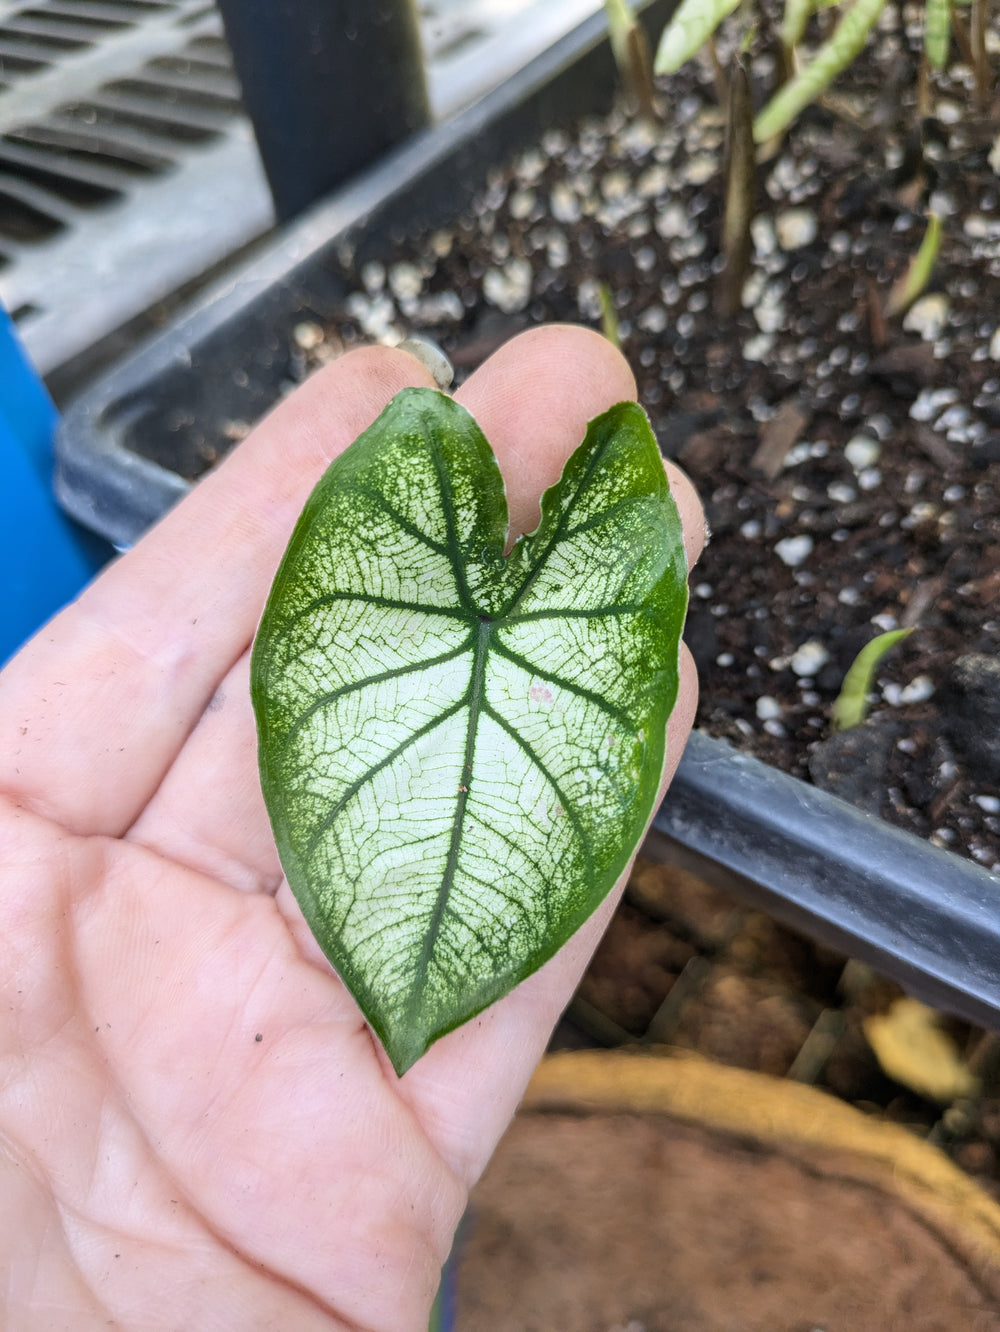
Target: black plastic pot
307, 113
921, 915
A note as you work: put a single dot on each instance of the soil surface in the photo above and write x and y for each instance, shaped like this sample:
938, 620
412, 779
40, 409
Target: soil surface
849, 462
624, 1224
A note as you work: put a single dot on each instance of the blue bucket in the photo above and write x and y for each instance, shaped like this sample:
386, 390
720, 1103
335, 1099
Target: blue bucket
47, 558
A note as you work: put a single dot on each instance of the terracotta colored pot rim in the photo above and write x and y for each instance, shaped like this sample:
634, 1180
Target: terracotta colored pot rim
783, 1116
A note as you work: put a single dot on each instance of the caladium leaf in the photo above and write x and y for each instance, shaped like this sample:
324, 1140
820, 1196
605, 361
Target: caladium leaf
460, 749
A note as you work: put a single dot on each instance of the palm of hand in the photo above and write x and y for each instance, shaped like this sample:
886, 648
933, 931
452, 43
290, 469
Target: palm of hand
194, 1174
196, 1127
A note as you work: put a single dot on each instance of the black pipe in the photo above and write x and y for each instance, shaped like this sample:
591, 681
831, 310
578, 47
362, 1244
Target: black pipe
927, 918
330, 85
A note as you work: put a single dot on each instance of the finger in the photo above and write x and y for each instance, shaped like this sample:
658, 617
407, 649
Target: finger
229, 839
692, 515
96, 707
533, 399
468, 1085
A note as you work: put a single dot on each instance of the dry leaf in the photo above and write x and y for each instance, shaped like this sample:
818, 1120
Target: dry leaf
778, 436
912, 1048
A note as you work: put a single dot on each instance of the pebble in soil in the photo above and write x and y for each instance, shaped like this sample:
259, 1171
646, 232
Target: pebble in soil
849, 465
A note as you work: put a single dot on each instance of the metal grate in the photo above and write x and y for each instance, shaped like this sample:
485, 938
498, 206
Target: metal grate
123, 153
127, 167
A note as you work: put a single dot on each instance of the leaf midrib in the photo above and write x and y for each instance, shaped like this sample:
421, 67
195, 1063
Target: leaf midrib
475, 695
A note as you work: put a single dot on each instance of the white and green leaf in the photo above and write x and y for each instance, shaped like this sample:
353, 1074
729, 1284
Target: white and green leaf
460, 749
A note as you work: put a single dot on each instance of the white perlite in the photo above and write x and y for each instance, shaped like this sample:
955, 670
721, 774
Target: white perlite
920, 688
375, 316
653, 182
928, 316
794, 550
442, 307
795, 227
700, 169
809, 659
994, 157
862, 451
563, 204
768, 708
508, 288
672, 221
929, 402
406, 281
588, 299
757, 348
764, 238
307, 335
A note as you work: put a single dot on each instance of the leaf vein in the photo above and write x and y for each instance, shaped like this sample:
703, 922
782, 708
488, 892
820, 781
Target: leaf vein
355, 686
370, 773
453, 548
473, 698
579, 691
567, 806
575, 613
409, 527
383, 603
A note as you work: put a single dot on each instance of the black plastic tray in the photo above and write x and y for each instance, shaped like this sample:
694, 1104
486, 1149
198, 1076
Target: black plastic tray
926, 917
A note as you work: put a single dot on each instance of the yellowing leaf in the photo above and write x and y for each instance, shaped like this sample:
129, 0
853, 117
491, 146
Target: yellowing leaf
912, 1048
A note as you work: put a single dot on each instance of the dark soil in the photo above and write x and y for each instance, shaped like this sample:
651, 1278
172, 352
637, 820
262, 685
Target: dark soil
849, 464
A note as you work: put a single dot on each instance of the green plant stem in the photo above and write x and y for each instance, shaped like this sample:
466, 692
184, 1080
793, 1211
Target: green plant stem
793, 23
718, 73
609, 316
631, 51
937, 32
918, 273
978, 21
851, 705
741, 192
832, 57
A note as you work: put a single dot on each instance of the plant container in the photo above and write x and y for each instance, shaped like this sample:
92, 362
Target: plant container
924, 916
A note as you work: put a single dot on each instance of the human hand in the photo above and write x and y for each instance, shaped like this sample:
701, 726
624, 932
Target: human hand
197, 1128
